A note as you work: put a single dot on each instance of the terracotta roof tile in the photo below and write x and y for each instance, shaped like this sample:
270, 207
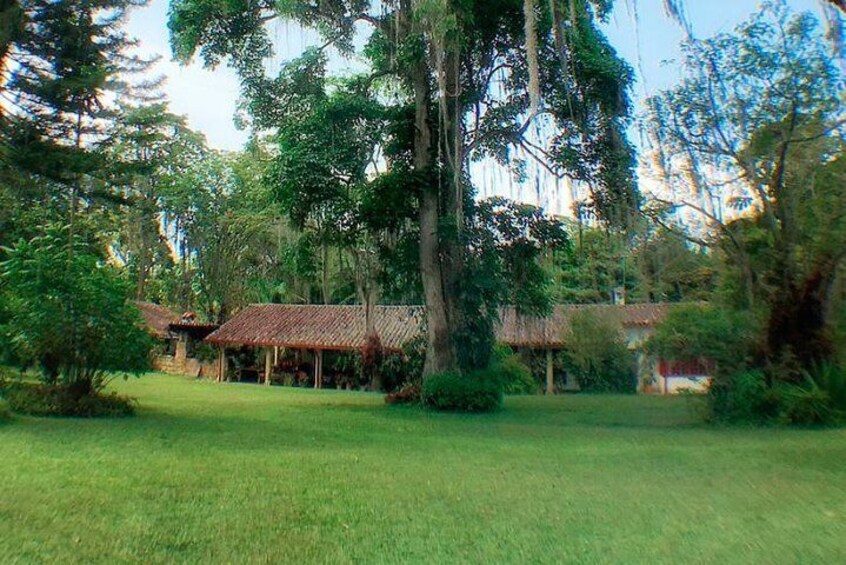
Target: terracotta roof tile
317, 327
343, 327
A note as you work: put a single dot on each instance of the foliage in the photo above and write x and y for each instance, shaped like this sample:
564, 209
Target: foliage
742, 397
757, 125
5, 411
60, 59
36, 399
506, 243
728, 338
831, 378
597, 354
68, 312
804, 404
473, 392
151, 153
406, 368
747, 397
513, 375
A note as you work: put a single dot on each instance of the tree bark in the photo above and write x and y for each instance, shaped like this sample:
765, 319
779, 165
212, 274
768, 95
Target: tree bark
440, 355
798, 324
453, 150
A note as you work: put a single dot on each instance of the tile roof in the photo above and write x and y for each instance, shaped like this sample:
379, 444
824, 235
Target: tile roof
157, 318
342, 327
318, 326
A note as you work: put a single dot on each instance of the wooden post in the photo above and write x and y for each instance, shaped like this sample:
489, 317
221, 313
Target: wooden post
221, 364
275, 356
550, 373
318, 368
268, 365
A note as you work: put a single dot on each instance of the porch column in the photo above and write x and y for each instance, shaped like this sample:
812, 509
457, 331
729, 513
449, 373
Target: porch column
221, 364
550, 373
268, 365
318, 368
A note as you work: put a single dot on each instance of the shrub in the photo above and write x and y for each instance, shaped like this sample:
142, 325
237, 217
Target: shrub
513, 375
69, 313
5, 411
477, 391
597, 355
742, 397
409, 393
726, 337
747, 397
831, 378
36, 399
803, 405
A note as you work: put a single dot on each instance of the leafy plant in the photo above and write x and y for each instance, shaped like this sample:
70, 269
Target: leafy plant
69, 314
831, 378
597, 355
742, 397
728, 338
804, 404
473, 392
55, 400
513, 375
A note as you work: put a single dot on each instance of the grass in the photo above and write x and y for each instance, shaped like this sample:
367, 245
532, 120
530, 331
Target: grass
241, 473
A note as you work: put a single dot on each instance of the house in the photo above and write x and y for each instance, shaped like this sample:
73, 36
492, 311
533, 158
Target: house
312, 330
180, 341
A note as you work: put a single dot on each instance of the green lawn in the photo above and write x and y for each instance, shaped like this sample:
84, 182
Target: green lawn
241, 473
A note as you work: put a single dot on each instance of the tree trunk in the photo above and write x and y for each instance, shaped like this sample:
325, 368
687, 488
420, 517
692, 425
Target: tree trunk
798, 326
452, 148
324, 276
440, 356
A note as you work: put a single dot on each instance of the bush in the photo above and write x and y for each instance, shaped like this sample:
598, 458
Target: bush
746, 397
597, 355
742, 397
513, 375
409, 393
803, 405
728, 338
69, 313
477, 391
831, 378
5, 411
55, 400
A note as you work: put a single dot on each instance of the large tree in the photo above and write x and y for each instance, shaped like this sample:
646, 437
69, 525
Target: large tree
151, 153
466, 80
59, 58
754, 136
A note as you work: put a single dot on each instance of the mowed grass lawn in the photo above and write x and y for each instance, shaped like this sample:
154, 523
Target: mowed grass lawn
211, 473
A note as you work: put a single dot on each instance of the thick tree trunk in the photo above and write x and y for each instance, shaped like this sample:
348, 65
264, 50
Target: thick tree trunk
452, 148
439, 351
372, 352
798, 324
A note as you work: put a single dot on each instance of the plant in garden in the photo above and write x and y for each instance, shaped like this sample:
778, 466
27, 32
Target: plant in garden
477, 391
68, 313
597, 354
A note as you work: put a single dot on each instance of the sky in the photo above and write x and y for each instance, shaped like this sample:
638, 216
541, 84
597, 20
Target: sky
649, 42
